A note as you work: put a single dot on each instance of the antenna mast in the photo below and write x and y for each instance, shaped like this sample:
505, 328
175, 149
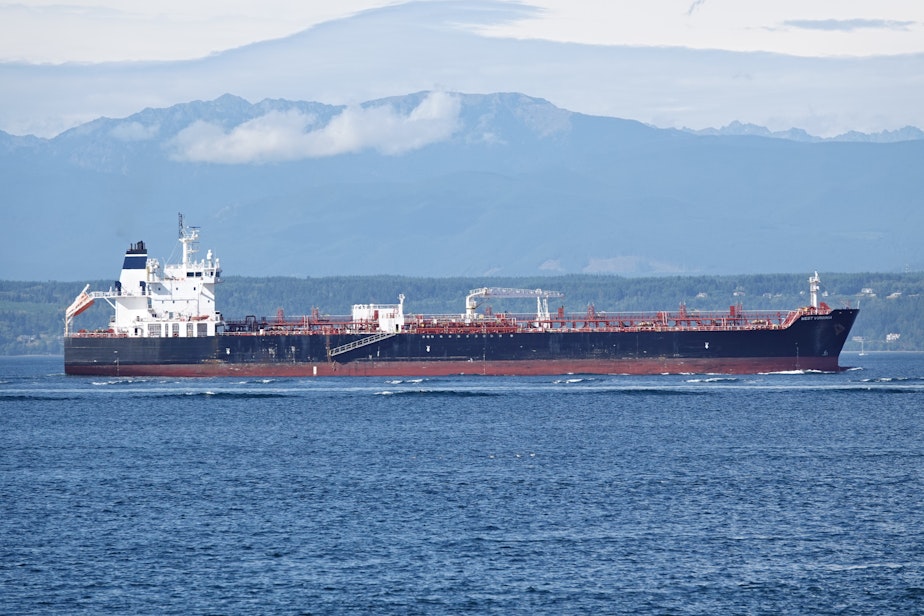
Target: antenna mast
189, 237
814, 285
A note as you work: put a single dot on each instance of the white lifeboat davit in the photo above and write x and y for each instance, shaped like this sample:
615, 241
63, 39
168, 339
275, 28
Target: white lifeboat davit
80, 304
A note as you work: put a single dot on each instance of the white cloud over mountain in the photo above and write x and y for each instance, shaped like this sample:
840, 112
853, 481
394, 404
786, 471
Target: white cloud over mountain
294, 135
627, 60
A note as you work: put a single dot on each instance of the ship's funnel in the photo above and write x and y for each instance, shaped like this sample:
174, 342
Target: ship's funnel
134, 268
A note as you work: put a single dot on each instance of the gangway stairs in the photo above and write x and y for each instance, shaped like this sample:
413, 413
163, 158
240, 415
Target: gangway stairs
343, 348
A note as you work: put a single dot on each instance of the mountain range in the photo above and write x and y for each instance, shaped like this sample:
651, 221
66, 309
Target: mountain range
450, 184
454, 45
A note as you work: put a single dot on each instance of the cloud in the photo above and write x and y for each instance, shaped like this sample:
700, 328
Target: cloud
551, 265
847, 25
292, 135
630, 265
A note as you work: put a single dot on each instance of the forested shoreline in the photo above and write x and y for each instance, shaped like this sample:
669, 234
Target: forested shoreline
891, 305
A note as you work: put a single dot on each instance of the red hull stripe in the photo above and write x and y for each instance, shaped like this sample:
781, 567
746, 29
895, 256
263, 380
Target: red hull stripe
750, 365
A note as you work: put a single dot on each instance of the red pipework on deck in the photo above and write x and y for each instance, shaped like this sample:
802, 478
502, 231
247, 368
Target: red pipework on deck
734, 319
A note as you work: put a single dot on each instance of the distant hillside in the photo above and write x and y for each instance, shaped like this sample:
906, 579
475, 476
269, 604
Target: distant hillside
445, 184
908, 133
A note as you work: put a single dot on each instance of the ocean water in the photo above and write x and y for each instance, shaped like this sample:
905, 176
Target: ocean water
767, 494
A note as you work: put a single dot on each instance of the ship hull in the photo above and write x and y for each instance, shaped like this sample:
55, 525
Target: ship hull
455, 368
813, 342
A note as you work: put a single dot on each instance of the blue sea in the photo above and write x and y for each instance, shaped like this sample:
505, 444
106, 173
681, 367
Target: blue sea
797, 493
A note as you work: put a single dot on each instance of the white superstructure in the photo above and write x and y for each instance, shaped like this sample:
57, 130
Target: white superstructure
385, 317
154, 301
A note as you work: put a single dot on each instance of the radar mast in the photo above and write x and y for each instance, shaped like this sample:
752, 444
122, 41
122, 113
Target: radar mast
189, 237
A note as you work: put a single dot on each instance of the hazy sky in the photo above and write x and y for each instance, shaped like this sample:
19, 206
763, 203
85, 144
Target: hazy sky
105, 30
833, 66
825, 66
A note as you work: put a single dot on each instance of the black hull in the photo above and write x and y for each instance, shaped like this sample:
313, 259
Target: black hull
813, 342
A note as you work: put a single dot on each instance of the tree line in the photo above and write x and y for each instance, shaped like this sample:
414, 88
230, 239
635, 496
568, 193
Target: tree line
891, 305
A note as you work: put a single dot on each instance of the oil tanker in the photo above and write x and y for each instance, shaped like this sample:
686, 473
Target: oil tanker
165, 323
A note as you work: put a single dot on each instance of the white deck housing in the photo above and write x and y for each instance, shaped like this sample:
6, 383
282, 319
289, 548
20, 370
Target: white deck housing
150, 301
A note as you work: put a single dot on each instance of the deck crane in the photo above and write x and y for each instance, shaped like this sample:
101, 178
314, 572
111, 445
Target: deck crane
542, 299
